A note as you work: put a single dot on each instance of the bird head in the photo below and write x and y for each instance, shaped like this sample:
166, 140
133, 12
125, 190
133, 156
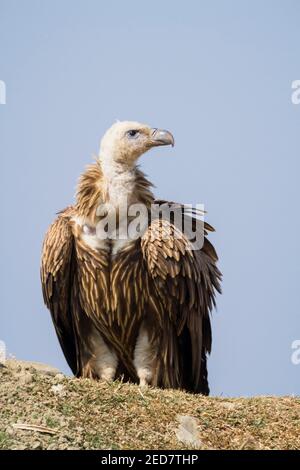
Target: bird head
126, 141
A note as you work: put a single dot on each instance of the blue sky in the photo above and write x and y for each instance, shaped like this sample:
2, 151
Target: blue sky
218, 75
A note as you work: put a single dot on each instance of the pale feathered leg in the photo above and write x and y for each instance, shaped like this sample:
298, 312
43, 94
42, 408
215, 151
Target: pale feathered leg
103, 363
144, 357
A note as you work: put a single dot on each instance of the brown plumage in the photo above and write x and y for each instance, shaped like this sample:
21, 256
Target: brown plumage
137, 309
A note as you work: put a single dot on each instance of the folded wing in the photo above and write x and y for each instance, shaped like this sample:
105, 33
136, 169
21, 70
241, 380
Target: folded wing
186, 281
57, 283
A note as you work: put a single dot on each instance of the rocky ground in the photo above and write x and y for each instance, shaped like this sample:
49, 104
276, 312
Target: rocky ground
40, 408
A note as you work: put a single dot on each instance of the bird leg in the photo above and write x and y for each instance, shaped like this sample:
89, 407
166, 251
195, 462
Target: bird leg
104, 361
144, 357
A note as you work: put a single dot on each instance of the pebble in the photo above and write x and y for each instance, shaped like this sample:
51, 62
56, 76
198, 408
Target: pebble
52, 446
36, 445
59, 377
58, 389
26, 378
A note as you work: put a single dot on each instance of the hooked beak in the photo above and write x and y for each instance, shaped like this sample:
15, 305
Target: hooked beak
161, 137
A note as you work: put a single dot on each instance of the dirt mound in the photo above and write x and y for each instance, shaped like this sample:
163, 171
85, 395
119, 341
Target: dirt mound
40, 408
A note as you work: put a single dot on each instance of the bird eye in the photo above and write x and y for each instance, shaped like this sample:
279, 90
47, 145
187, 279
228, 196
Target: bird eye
132, 133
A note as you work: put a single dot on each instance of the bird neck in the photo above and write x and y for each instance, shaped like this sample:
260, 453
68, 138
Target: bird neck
103, 183
119, 181
113, 168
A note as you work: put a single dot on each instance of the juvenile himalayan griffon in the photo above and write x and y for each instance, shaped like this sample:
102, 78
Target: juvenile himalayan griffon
139, 307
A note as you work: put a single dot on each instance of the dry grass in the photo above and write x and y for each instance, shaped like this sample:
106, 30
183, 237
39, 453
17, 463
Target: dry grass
90, 415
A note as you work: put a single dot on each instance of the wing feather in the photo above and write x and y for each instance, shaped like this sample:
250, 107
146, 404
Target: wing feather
186, 281
56, 278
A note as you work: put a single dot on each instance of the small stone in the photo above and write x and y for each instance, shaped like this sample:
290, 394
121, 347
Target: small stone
58, 389
52, 446
187, 431
10, 431
36, 445
25, 378
229, 405
21, 447
59, 377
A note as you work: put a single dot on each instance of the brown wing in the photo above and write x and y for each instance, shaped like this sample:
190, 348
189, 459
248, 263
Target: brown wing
106, 296
186, 281
57, 284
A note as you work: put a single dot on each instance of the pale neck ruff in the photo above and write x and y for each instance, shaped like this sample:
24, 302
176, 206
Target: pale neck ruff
119, 180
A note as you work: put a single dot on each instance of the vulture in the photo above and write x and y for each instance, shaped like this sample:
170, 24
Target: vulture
130, 306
